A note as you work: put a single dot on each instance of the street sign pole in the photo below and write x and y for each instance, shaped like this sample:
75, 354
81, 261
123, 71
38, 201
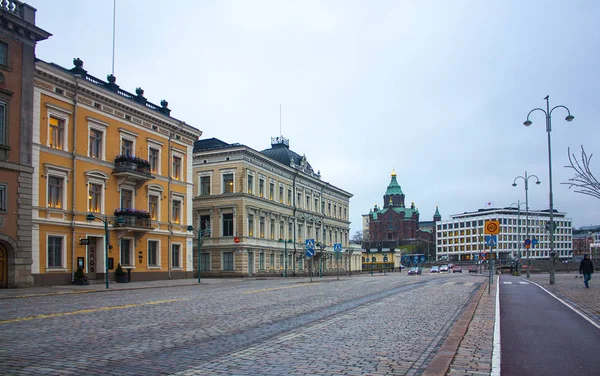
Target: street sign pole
491, 270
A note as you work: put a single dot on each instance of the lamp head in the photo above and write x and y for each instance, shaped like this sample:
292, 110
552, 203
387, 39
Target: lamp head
527, 123
190, 228
90, 217
570, 117
514, 184
537, 182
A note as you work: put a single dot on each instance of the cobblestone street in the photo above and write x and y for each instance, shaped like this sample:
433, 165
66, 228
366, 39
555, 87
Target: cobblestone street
380, 325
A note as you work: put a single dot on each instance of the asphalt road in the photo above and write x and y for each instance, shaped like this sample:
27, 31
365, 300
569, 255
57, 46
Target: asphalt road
384, 325
541, 336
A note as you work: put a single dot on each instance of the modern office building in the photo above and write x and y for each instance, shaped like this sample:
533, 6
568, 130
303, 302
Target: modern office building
18, 37
255, 211
462, 237
102, 150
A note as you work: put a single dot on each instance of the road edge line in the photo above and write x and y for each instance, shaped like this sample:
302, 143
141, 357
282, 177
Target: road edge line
440, 364
566, 304
496, 355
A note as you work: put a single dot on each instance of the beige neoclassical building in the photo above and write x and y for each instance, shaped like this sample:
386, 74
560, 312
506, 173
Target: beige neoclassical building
255, 211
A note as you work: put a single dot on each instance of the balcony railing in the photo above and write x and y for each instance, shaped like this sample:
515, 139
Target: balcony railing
132, 164
129, 221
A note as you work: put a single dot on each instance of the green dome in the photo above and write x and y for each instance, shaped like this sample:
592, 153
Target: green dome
394, 187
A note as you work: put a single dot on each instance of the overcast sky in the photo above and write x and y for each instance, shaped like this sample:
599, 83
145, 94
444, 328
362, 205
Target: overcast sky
437, 90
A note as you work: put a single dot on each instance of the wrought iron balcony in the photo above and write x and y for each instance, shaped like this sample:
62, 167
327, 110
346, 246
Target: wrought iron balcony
132, 169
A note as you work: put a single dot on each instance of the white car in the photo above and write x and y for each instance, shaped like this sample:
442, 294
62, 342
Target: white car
444, 269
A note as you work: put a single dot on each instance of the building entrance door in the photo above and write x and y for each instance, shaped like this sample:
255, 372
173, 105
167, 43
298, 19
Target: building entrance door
250, 263
3, 267
92, 258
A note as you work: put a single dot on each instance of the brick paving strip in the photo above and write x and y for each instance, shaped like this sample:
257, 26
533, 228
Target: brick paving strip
468, 348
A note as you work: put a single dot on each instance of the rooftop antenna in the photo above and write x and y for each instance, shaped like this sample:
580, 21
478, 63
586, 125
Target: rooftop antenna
281, 134
113, 46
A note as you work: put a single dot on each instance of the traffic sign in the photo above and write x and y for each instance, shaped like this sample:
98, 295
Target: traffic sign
337, 247
310, 243
310, 252
491, 240
534, 242
527, 241
492, 227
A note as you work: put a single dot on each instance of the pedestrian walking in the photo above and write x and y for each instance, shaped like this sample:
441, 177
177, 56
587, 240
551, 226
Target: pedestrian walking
586, 268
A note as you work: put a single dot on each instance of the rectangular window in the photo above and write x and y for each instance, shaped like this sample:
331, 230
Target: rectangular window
204, 185
228, 260
153, 159
261, 261
299, 200
281, 195
153, 207
289, 198
329, 209
262, 227
55, 192
289, 231
3, 198
316, 208
126, 199
227, 183
176, 211
272, 229
307, 203
126, 147
3, 54
3, 136
250, 184
176, 254
228, 224
176, 172
152, 253
299, 234
55, 251
281, 261
281, 234
95, 198
271, 191
251, 225
261, 188
322, 207
126, 252
96, 143
272, 261
205, 261
57, 133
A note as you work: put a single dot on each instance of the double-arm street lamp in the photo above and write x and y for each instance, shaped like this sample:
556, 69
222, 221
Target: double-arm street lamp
526, 180
285, 257
519, 240
91, 217
200, 233
548, 113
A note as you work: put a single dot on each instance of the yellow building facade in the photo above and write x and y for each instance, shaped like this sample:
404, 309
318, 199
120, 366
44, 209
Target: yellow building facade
99, 149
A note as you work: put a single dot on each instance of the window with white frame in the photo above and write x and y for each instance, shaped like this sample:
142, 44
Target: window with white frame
281, 194
262, 227
95, 198
261, 261
153, 209
272, 229
127, 146
271, 191
56, 248
56, 133
176, 255
154, 159
227, 225
272, 261
227, 186
3, 131
205, 261
3, 201
261, 187
250, 184
97, 136
177, 165
56, 191
281, 234
127, 198
227, 261
126, 252
204, 185
250, 225
153, 253
176, 211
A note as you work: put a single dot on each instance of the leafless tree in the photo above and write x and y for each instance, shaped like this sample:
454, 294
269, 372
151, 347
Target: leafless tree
357, 237
584, 180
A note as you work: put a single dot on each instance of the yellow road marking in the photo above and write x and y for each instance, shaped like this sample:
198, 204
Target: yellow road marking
92, 310
281, 288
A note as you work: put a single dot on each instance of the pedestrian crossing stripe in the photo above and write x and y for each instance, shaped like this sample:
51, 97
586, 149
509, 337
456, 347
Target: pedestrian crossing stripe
507, 283
523, 283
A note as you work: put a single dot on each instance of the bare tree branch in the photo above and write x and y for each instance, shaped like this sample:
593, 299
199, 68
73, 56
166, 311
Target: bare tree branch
584, 181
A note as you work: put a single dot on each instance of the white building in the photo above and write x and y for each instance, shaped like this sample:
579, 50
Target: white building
462, 238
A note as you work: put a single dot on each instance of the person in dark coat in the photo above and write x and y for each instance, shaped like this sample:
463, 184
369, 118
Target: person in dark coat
586, 268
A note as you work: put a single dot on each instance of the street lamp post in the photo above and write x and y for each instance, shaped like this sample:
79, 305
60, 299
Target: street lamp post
200, 234
91, 217
526, 180
569, 118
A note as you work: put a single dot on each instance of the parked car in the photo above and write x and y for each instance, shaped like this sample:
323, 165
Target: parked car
444, 269
450, 266
435, 269
457, 269
473, 269
415, 270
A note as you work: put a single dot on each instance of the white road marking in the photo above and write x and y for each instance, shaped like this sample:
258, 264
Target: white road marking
496, 348
568, 305
507, 283
523, 283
